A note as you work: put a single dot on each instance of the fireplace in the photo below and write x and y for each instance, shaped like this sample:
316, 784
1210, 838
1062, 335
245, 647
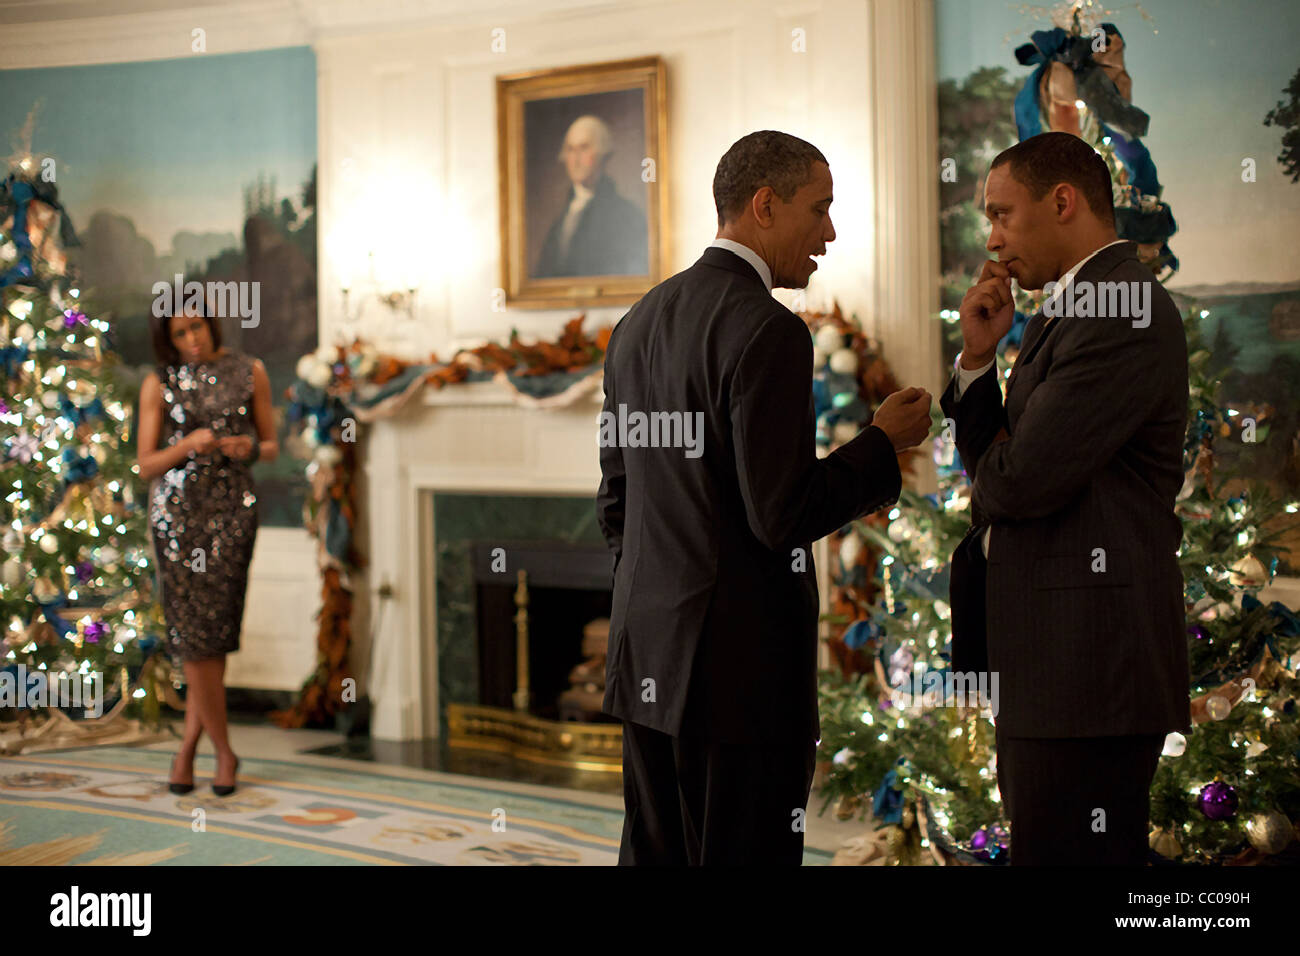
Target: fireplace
492, 551
567, 587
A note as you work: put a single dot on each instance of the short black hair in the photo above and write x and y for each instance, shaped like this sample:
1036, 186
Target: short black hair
765, 158
1044, 161
160, 329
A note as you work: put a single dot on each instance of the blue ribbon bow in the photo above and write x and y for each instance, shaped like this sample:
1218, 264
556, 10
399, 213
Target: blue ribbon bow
15, 194
12, 357
78, 467
80, 414
887, 805
49, 608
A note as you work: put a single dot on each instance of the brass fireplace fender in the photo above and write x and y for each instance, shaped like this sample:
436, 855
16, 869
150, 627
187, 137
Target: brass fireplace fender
579, 745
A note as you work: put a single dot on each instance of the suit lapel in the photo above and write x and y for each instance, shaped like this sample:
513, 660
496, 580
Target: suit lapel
1037, 330
1035, 333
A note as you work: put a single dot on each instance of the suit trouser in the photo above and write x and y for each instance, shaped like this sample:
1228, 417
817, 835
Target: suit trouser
691, 801
1055, 787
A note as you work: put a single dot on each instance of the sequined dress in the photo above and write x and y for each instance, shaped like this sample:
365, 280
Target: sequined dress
203, 512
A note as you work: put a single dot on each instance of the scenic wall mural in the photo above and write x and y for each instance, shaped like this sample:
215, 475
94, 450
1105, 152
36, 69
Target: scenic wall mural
203, 166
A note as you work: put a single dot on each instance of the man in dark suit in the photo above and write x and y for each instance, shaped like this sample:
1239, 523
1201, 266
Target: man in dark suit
713, 633
598, 232
1068, 584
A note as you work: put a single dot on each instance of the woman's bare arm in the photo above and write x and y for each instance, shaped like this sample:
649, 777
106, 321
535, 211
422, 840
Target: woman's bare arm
263, 414
151, 460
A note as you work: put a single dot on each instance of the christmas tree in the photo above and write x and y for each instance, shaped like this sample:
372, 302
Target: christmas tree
75, 586
926, 768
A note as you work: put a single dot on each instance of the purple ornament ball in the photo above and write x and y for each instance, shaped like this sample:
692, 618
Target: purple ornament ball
979, 840
1218, 801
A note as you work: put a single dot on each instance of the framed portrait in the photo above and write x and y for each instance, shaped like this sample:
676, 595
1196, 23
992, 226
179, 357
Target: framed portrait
583, 176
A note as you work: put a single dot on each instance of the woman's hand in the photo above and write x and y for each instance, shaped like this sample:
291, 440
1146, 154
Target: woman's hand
201, 441
239, 447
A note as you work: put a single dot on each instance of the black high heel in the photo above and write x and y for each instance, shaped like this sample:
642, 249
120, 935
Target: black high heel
222, 790
180, 789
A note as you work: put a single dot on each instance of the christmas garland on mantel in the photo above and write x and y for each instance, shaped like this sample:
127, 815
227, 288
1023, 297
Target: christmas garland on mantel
341, 386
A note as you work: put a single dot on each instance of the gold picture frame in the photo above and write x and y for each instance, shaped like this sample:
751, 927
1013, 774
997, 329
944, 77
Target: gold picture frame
581, 159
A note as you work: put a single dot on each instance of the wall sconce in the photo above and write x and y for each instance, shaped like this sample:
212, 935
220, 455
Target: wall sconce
399, 301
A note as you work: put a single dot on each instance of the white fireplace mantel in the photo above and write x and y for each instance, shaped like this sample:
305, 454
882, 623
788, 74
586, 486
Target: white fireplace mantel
465, 438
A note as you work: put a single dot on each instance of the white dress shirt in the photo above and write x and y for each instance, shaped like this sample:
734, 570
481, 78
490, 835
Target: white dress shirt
965, 376
749, 255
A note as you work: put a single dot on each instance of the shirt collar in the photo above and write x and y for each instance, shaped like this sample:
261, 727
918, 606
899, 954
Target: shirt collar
749, 255
1068, 278
581, 194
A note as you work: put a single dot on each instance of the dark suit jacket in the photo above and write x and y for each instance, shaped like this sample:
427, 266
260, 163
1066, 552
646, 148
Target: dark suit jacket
711, 601
609, 239
1097, 411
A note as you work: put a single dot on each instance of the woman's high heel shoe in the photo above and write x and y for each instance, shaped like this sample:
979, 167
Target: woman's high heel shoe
180, 789
222, 790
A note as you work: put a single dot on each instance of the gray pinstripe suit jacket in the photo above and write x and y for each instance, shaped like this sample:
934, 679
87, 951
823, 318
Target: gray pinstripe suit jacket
1085, 616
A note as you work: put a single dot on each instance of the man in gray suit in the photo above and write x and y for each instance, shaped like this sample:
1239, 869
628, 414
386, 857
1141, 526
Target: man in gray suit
1068, 584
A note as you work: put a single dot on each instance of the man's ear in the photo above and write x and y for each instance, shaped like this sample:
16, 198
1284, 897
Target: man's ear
1067, 201
762, 206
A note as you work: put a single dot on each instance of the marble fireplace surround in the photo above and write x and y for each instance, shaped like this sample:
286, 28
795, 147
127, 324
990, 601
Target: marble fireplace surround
468, 439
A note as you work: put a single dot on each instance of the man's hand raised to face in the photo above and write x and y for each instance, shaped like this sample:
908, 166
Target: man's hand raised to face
986, 315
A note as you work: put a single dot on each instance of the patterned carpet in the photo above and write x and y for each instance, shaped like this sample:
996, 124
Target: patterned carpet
110, 805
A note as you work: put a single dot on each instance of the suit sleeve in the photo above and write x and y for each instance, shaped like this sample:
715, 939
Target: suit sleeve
977, 417
1103, 383
791, 496
611, 499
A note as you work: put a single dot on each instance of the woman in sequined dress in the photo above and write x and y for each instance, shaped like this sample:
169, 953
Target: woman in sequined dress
205, 417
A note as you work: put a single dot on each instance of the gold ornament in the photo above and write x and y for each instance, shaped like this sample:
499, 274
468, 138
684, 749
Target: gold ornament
44, 589
846, 808
1248, 573
41, 632
1269, 832
1217, 707
1165, 843
14, 572
895, 840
